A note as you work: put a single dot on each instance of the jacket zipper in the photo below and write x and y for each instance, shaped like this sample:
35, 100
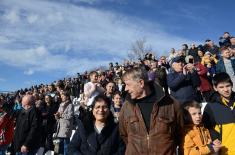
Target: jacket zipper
148, 140
147, 137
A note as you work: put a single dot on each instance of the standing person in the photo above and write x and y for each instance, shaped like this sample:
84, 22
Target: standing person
197, 139
28, 125
183, 80
150, 122
6, 127
205, 86
92, 88
49, 122
218, 116
226, 64
64, 117
98, 134
116, 105
110, 89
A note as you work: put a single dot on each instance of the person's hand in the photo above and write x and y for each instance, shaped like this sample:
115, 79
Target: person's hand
23, 149
216, 142
185, 70
57, 115
190, 67
116, 114
216, 148
216, 145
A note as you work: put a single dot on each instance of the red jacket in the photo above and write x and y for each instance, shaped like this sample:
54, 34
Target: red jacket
6, 129
202, 72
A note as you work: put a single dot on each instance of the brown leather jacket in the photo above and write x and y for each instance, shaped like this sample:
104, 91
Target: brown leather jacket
166, 126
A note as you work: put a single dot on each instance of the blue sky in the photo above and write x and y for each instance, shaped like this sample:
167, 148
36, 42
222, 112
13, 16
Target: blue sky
46, 40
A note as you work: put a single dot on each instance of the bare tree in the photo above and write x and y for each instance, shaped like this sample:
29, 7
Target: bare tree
138, 49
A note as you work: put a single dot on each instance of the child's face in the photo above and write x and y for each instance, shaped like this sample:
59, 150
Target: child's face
196, 115
117, 100
224, 89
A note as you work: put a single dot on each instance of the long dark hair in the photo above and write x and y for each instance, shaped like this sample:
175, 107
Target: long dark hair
88, 120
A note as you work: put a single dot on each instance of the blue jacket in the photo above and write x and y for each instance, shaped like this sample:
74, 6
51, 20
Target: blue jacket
108, 142
221, 68
183, 87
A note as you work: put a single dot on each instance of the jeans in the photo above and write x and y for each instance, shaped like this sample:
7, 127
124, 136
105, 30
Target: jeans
64, 142
3, 149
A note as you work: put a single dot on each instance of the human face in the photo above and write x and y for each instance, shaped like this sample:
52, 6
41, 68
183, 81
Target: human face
226, 53
163, 59
26, 103
100, 111
47, 99
178, 66
232, 40
64, 97
134, 87
117, 100
94, 78
196, 115
224, 89
200, 53
110, 87
153, 65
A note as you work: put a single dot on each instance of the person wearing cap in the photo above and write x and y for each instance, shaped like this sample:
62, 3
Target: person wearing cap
183, 80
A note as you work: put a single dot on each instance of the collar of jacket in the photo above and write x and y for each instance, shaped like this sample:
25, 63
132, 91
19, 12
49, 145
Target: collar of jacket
218, 98
155, 88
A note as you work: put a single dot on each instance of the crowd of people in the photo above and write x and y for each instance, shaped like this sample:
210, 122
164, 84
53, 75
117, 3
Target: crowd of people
147, 106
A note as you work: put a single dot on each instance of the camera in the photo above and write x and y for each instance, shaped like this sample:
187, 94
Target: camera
190, 61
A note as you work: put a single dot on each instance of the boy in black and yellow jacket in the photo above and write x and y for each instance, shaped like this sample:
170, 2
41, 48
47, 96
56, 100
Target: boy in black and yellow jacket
219, 115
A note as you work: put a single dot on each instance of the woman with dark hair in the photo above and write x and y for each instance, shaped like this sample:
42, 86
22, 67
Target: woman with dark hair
64, 117
98, 133
49, 121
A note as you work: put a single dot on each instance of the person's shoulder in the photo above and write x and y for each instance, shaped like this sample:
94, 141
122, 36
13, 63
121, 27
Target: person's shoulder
168, 99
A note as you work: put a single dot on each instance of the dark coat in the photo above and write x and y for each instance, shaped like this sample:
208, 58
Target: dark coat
28, 130
193, 52
107, 143
183, 87
49, 120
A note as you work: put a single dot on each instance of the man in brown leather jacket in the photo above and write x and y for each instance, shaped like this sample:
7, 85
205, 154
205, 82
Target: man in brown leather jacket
150, 122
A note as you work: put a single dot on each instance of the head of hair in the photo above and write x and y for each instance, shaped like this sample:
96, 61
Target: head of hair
88, 119
116, 93
223, 48
187, 105
221, 77
136, 73
100, 98
92, 73
67, 94
50, 97
191, 104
